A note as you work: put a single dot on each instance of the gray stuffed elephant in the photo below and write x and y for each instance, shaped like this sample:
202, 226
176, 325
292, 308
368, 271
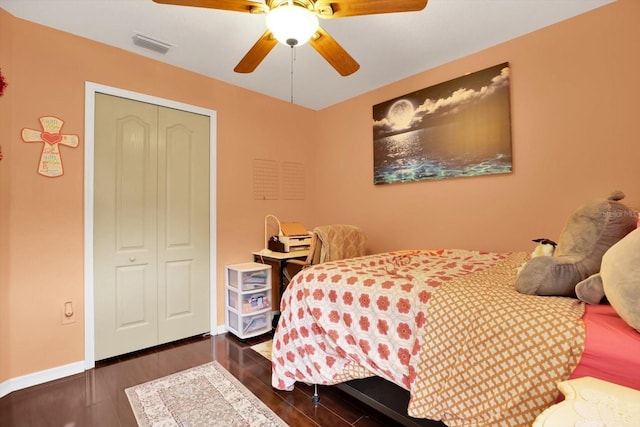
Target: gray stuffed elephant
588, 233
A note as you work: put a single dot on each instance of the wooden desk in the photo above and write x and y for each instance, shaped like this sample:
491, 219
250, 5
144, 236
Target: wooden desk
277, 261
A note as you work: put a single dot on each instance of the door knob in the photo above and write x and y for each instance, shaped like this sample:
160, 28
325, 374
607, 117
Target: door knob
132, 259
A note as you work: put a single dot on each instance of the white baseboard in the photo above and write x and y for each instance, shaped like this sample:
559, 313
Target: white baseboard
18, 383
220, 329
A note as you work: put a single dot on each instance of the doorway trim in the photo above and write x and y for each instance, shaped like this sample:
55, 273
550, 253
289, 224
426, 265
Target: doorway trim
89, 112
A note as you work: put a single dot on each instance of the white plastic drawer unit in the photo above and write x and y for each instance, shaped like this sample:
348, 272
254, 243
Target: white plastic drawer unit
248, 299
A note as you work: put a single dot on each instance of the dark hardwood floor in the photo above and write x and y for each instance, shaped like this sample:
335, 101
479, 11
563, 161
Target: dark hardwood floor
97, 398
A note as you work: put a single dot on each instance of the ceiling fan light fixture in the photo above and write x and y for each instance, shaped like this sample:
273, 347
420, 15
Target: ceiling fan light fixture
292, 25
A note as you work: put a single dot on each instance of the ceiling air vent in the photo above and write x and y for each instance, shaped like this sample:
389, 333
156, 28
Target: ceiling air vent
151, 43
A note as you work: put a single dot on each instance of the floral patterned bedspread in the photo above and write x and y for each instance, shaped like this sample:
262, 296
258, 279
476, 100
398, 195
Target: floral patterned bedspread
365, 310
390, 315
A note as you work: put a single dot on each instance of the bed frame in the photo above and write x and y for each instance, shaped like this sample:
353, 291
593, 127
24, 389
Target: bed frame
387, 398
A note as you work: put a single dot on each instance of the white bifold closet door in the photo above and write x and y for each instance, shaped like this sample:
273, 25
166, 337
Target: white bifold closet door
151, 225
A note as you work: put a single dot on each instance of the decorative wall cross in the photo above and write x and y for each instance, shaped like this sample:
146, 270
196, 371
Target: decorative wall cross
50, 159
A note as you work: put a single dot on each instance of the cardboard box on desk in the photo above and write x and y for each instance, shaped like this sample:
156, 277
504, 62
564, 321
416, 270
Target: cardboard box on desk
292, 229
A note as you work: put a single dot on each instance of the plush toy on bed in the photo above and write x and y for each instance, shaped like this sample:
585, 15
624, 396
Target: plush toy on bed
618, 280
545, 247
588, 233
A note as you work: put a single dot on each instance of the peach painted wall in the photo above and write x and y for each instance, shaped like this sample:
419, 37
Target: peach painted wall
575, 136
42, 218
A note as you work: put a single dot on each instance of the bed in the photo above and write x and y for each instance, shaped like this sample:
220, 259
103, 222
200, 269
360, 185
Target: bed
449, 328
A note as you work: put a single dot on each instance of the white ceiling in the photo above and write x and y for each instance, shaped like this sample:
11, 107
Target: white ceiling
388, 47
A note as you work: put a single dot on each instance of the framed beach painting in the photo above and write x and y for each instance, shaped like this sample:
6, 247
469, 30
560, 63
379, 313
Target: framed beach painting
458, 128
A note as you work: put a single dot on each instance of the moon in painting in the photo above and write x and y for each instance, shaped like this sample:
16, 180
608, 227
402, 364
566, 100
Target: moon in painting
400, 114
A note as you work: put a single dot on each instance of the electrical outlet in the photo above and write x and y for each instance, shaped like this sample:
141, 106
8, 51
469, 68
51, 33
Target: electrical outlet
68, 313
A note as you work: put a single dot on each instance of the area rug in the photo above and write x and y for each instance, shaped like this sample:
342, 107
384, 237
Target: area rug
207, 395
263, 348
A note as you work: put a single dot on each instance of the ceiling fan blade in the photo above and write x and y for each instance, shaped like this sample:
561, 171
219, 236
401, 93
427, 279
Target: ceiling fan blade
231, 5
335, 55
256, 54
342, 8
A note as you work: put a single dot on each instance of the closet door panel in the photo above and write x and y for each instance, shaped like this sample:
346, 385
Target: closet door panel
125, 242
183, 224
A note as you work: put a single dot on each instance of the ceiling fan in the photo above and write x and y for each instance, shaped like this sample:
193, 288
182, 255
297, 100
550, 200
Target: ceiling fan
294, 22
